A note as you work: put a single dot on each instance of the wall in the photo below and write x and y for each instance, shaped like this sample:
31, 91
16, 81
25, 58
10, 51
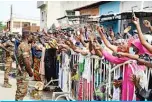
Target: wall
37, 22
94, 11
111, 6
43, 19
127, 5
70, 5
105, 9
53, 12
27, 20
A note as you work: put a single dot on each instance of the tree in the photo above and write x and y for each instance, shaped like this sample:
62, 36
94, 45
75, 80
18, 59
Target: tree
2, 26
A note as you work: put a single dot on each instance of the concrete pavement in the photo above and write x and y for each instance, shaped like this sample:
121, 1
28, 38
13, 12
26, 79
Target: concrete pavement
9, 93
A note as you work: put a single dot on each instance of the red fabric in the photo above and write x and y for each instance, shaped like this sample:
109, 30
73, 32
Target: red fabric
85, 91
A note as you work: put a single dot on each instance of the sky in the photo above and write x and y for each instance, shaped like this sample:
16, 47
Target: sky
21, 9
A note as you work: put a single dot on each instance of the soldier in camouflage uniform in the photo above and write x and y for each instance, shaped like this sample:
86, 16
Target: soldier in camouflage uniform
9, 46
24, 66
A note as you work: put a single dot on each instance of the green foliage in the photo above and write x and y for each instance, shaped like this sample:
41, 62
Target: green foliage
2, 26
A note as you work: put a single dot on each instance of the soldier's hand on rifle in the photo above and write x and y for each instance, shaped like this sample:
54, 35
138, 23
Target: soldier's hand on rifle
19, 69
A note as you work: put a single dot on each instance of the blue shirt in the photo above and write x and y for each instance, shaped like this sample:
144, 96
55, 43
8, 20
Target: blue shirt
36, 53
17, 43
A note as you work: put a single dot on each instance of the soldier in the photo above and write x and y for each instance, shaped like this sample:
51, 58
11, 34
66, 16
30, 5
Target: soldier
9, 48
24, 66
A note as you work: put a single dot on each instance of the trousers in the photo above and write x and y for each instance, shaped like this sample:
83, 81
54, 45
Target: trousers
22, 85
8, 67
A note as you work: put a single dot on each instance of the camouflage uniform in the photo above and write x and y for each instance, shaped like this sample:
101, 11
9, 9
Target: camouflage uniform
24, 51
8, 62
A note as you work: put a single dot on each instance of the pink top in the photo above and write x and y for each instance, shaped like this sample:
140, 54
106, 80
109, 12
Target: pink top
127, 85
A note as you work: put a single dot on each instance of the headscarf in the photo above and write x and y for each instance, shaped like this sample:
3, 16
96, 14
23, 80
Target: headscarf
141, 48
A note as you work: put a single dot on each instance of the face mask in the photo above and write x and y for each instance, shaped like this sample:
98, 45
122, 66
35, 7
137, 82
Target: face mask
131, 50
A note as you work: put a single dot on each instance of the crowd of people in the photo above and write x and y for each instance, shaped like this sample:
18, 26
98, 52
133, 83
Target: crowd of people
35, 55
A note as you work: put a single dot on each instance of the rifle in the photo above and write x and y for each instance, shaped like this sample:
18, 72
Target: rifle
18, 66
14, 57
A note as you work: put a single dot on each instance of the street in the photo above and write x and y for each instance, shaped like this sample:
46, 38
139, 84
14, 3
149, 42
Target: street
9, 93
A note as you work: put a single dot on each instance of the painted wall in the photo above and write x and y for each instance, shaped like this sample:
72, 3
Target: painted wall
70, 5
107, 8
94, 11
19, 30
53, 12
43, 18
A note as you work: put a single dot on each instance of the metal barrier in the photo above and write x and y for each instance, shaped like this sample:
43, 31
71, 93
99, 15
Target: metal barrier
81, 77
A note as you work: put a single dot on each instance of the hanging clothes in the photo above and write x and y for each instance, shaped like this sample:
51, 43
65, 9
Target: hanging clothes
37, 53
42, 68
85, 91
50, 64
65, 72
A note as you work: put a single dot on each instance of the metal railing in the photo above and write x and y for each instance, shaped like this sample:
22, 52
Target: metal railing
92, 74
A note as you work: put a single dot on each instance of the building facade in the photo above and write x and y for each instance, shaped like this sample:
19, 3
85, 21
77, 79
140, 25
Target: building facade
137, 6
107, 9
17, 25
51, 10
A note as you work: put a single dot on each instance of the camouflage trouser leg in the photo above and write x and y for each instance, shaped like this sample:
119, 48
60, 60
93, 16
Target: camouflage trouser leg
22, 87
8, 67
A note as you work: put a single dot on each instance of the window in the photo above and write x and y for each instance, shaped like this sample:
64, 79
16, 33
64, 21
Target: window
70, 13
33, 24
16, 24
42, 16
25, 25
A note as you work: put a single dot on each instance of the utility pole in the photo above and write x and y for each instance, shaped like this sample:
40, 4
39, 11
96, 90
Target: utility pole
11, 14
142, 5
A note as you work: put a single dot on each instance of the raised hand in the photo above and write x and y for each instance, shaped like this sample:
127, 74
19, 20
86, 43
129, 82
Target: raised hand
135, 21
135, 80
98, 28
91, 37
147, 23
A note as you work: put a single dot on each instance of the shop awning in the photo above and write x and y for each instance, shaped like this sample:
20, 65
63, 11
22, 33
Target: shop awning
125, 15
128, 15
